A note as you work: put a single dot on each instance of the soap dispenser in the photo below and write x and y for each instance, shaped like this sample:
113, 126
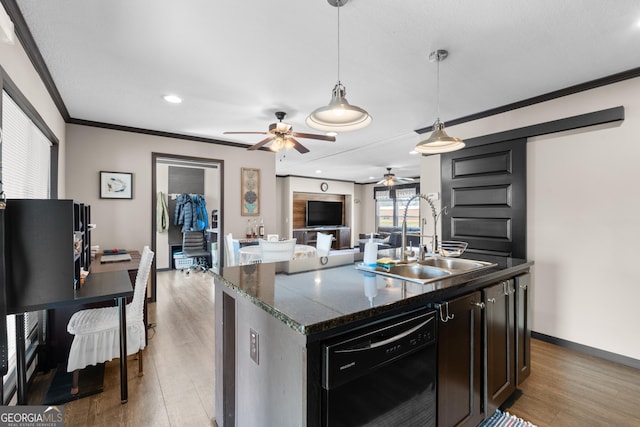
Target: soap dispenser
370, 252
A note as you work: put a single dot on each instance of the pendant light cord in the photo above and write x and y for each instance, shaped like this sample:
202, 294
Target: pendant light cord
438, 87
338, 7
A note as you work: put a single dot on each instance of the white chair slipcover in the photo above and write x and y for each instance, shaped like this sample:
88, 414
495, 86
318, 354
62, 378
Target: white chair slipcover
231, 247
277, 251
97, 331
323, 244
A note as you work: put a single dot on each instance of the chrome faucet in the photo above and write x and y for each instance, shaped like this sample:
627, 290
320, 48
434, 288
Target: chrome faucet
434, 242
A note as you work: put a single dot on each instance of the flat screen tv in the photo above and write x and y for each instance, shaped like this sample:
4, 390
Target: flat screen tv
322, 213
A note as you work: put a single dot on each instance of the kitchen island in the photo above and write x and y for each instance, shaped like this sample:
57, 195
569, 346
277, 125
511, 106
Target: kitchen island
275, 320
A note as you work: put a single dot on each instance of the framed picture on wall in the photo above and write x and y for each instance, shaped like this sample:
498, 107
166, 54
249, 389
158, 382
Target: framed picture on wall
116, 185
250, 192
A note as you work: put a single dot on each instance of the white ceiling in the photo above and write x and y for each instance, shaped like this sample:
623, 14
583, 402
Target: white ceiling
236, 62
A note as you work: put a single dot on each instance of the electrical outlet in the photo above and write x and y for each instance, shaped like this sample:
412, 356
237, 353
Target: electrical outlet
254, 345
434, 196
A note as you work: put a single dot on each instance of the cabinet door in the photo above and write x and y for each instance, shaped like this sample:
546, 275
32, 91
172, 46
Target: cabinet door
500, 371
523, 332
344, 238
459, 367
300, 236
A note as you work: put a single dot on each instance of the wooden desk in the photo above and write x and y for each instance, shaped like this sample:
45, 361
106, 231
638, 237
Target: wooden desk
132, 266
98, 287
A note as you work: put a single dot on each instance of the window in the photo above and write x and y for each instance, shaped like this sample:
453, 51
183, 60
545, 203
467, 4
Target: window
26, 160
391, 204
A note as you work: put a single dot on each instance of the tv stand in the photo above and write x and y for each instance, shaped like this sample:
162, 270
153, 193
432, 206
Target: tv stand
308, 236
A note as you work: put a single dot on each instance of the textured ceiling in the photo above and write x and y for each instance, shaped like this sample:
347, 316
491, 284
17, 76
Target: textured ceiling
235, 63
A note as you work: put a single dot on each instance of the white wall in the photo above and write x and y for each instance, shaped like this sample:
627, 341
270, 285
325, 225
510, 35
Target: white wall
582, 217
127, 223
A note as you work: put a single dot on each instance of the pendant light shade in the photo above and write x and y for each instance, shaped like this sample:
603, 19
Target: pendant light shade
439, 141
339, 115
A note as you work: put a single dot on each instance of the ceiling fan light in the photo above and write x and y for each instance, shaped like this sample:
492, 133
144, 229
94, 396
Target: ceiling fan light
439, 141
339, 115
277, 144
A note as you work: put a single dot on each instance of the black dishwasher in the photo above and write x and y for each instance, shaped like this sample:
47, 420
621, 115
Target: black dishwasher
382, 375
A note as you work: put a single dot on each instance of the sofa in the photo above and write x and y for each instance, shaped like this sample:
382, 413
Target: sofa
389, 237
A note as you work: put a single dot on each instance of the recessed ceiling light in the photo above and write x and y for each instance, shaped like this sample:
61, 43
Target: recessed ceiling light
372, 177
173, 99
318, 171
332, 133
413, 152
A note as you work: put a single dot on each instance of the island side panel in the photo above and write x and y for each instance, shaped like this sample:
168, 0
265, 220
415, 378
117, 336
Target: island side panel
272, 391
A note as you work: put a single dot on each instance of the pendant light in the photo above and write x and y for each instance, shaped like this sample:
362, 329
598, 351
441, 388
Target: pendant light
439, 141
339, 115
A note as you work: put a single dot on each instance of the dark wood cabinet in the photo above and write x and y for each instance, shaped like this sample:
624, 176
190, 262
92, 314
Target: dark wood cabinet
308, 236
500, 371
48, 244
459, 361
523, 331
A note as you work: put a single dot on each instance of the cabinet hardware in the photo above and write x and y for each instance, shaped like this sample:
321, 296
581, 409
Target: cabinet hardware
444, 315
507, 289
523, 286
492, 300
478, 304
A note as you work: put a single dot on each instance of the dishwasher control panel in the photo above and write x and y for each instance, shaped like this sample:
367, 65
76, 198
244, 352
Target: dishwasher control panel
355, 354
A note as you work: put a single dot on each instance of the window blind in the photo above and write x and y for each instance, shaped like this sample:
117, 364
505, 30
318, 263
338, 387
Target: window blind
26, 163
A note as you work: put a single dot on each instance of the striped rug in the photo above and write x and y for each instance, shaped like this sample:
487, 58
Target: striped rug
505, 419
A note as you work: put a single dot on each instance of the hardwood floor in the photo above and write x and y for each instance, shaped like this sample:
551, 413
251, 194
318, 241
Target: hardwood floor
565, 388
177, 387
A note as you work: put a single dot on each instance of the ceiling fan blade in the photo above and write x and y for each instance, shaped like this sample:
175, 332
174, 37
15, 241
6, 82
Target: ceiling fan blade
314, 136
301, 148
261, 143
246, 133
404, 180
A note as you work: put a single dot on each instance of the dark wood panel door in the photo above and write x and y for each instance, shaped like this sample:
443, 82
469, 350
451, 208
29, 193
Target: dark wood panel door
459, 362
500, 373
484, 189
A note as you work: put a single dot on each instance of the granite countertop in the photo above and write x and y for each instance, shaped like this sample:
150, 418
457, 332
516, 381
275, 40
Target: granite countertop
318, 294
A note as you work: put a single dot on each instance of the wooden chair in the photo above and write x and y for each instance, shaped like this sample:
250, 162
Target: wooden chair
97, 332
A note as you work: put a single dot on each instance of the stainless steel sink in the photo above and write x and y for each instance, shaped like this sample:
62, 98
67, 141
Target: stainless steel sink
416, 271
454, 263
429, 269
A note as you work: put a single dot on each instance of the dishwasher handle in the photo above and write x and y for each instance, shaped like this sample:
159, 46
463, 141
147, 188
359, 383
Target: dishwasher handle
390, 340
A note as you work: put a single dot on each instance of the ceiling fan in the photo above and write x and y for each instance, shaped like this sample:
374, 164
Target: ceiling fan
391, 179
282, 135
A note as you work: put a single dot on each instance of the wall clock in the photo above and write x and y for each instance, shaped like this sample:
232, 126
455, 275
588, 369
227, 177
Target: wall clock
324, 186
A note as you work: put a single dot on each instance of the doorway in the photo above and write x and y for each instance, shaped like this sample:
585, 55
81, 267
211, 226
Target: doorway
174, 176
